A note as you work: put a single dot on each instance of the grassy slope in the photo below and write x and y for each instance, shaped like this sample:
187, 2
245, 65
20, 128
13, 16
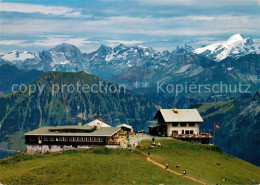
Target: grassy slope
220, 107
200, 161
104, 166
95, 166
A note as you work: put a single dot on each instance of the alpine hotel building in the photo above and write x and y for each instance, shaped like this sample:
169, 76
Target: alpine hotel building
50, 139
181, 124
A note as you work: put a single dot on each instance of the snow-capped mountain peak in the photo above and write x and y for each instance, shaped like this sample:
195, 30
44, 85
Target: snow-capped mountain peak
235, 38
235, 46
15, 56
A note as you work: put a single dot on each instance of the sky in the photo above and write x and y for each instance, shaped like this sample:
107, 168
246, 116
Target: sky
32, 25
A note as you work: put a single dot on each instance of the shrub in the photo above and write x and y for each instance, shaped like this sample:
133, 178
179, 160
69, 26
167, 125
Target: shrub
101, 151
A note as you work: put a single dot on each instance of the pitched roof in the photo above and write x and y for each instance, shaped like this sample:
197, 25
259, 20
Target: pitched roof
60, 131
72, 127
154, 125
179, 115
125, 125
97, 122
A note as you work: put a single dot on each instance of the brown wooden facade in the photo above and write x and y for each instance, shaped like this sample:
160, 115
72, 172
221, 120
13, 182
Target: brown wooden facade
66, 140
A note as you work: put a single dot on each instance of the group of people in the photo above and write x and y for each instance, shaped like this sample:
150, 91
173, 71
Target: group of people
167, 165
177, 166
153, 144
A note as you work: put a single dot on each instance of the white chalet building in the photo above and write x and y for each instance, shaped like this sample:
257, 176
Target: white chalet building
172, 122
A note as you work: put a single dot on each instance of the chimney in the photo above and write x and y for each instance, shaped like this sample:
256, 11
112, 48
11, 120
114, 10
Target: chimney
175, 110
98, 125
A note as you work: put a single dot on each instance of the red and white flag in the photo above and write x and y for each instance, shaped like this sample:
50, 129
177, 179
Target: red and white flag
217, 127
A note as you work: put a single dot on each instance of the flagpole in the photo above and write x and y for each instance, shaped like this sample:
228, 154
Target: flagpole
214, 134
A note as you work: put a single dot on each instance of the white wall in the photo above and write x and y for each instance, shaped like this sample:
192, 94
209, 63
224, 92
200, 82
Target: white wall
33, 149
170, 128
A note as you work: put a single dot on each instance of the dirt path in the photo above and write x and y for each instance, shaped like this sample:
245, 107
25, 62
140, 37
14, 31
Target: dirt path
173, 172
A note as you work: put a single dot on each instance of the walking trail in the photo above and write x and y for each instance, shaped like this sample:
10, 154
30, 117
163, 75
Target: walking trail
173, 172
136, 140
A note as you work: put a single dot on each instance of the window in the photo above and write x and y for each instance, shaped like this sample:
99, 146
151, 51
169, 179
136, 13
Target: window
175, 124
98, 139
183, 124
52, 138
187, 132
46, 138
70, 138
191, 132
191, 124
182, 132
33, 138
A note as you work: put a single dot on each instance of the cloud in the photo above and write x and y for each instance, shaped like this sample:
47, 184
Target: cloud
195, 2
53, 41
130, 30
126, 42
11, 42
126, 26
49, 41
41, 9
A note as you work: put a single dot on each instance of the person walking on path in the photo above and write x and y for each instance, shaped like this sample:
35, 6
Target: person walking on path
166, 166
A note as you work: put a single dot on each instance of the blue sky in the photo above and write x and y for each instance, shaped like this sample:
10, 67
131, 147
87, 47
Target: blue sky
162, 24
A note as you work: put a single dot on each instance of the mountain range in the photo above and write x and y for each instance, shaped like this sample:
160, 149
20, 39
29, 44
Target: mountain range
107, 62
191, 69
128, 65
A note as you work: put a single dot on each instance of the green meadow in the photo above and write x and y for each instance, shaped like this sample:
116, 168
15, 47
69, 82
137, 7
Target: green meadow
123, 166
200, 162
94, 166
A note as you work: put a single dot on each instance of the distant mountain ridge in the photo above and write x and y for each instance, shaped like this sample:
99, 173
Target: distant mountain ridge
107, 62
127, 65
10, 75
63, 57
193, 69
239, 125
16, 56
